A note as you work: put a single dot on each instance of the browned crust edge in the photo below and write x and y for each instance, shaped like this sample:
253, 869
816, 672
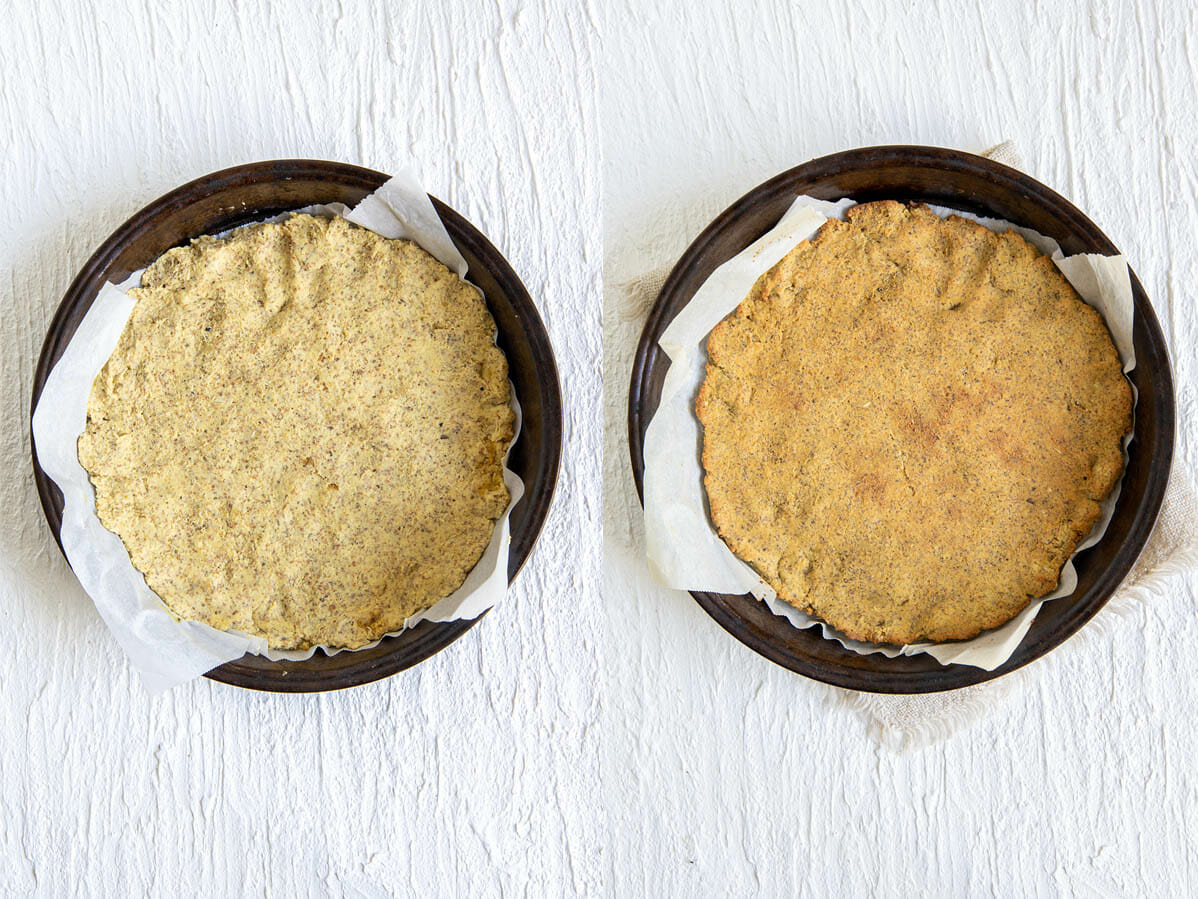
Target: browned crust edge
1079, 528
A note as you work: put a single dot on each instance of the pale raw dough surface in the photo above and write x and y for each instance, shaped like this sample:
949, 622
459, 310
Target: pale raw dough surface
866, 411
430, 782
300, 434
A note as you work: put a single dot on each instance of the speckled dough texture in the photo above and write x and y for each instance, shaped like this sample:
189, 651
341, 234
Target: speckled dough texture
909, 425
301, 432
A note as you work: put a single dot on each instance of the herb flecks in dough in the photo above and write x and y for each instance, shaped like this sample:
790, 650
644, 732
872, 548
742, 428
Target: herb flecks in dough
300, 434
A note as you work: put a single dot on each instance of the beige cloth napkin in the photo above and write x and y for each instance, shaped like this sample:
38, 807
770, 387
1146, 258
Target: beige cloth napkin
909, 721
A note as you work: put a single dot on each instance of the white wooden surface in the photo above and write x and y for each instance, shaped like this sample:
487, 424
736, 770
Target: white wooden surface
573, 745
756, 782
470, 775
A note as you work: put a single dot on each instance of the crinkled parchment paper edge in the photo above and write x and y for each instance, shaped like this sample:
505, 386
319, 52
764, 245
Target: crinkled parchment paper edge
164, 649
682, 545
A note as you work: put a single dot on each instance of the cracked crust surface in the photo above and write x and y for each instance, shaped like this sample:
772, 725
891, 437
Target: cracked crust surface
301, 432
909, 424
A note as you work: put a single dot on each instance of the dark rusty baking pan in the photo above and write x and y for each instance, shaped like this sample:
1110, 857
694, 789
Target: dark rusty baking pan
975, 184
246, 193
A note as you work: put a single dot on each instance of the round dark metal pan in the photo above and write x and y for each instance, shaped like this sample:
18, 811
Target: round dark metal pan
975, 184
247, 193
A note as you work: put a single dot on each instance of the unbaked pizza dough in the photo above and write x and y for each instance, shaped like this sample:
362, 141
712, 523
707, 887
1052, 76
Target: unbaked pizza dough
301, 432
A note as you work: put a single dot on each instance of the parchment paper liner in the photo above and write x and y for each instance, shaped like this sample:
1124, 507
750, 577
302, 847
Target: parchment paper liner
165, 650
682, 545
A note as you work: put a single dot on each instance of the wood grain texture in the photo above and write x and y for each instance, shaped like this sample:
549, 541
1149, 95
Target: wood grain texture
1079, 781
473, 774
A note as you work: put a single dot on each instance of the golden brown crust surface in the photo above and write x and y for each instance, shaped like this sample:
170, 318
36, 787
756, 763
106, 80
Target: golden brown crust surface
300, 434
909, 425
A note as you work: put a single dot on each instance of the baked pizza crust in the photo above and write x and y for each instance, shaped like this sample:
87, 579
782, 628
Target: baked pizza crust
909, 425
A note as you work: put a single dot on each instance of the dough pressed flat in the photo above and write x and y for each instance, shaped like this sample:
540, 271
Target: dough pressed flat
909, 425
301, 432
